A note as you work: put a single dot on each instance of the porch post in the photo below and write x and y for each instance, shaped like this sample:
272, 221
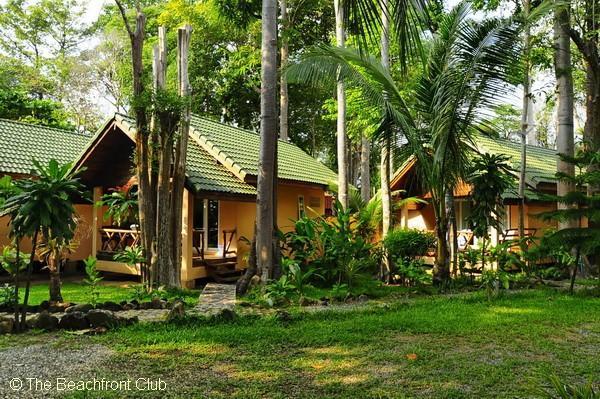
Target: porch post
404, 216
187, 221
96, 220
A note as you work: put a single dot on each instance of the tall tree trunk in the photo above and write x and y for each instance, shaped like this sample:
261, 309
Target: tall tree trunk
524, 119
386, 198
244, 282
441, 268
365, 169
341, 113
283, 85
268, 141
183, 44
564, 85
146, 197
452, 228
16, 281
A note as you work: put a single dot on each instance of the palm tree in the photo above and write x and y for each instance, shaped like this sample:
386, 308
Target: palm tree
342, 161
465, 73
43, 207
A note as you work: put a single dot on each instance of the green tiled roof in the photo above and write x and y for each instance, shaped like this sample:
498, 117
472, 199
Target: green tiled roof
541, 162
213, 145
204, 173
241, 147
20, 143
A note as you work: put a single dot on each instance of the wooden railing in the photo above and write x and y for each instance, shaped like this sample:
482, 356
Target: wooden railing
198, 242
115, 240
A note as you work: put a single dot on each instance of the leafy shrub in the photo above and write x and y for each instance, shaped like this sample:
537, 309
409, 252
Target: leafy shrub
92, 280
296, 277
339, 291
122, 205
8, 295
8, 261
408, 243
333, 247
493, 280
411, 273
280, 291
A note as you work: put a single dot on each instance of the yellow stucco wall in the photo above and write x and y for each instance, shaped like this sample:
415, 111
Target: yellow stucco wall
82, 234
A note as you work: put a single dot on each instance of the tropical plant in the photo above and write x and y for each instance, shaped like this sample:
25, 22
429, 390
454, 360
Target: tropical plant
42, 207
297, 278
411, 272
134, 257
556, 388
92, 280
122, 205
580, 205
467, 66
8, 295
493, 280
54, 252
8, 261
489, 177
279, 291
339, 291
408, 244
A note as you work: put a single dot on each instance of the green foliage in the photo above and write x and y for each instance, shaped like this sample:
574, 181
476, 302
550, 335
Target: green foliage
8, 295
279, 292
489, 176
580, 205
132, 256
45, 203
493, 280
333, 247
296, 277
339, 291
470, 256
92, 280
556, 388
8, 261
122, 205
407, 244
411, 273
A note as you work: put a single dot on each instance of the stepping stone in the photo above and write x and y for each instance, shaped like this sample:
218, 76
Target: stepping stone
216, 297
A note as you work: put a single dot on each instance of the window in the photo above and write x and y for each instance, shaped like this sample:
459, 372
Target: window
463, 211
206, 218
300, 206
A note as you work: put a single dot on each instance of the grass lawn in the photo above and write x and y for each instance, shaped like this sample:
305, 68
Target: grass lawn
430, 347
78, 292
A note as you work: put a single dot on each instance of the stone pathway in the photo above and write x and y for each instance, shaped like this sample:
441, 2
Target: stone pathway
216, 297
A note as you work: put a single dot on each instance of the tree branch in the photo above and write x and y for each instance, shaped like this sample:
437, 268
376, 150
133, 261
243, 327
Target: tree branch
124, 16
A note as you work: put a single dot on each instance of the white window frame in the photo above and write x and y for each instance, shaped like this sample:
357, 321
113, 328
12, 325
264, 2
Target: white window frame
205, 223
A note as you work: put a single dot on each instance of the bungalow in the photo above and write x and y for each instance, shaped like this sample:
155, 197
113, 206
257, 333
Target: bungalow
20, 144
220, 189
540, 178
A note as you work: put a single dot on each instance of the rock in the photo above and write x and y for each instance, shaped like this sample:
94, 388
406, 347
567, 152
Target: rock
170, 304
45, 321
129, 306
283, 316
146, 305
127, 320
6, 325
73, 321
255, 281
58, 307
122, 303
84, 308
112, 306
304, 301
45, 305
177, 312
91, 331
158, 303
226, 314
324, 303
363, 298
135, 303
102, 318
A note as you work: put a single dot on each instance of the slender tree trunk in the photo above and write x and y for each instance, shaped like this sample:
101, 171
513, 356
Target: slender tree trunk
451, 215
16, 280
524, 120
365, 169
574, 271
183, 43
244, 282
341, 113
23, 321
54, 271
386, 198
268, 141
283, 85
441, 269
565, 135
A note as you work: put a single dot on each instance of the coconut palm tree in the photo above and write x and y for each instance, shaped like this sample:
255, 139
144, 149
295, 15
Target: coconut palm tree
43, 207
465, 73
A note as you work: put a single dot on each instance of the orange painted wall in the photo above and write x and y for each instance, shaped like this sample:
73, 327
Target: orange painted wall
83, 234
241, 215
